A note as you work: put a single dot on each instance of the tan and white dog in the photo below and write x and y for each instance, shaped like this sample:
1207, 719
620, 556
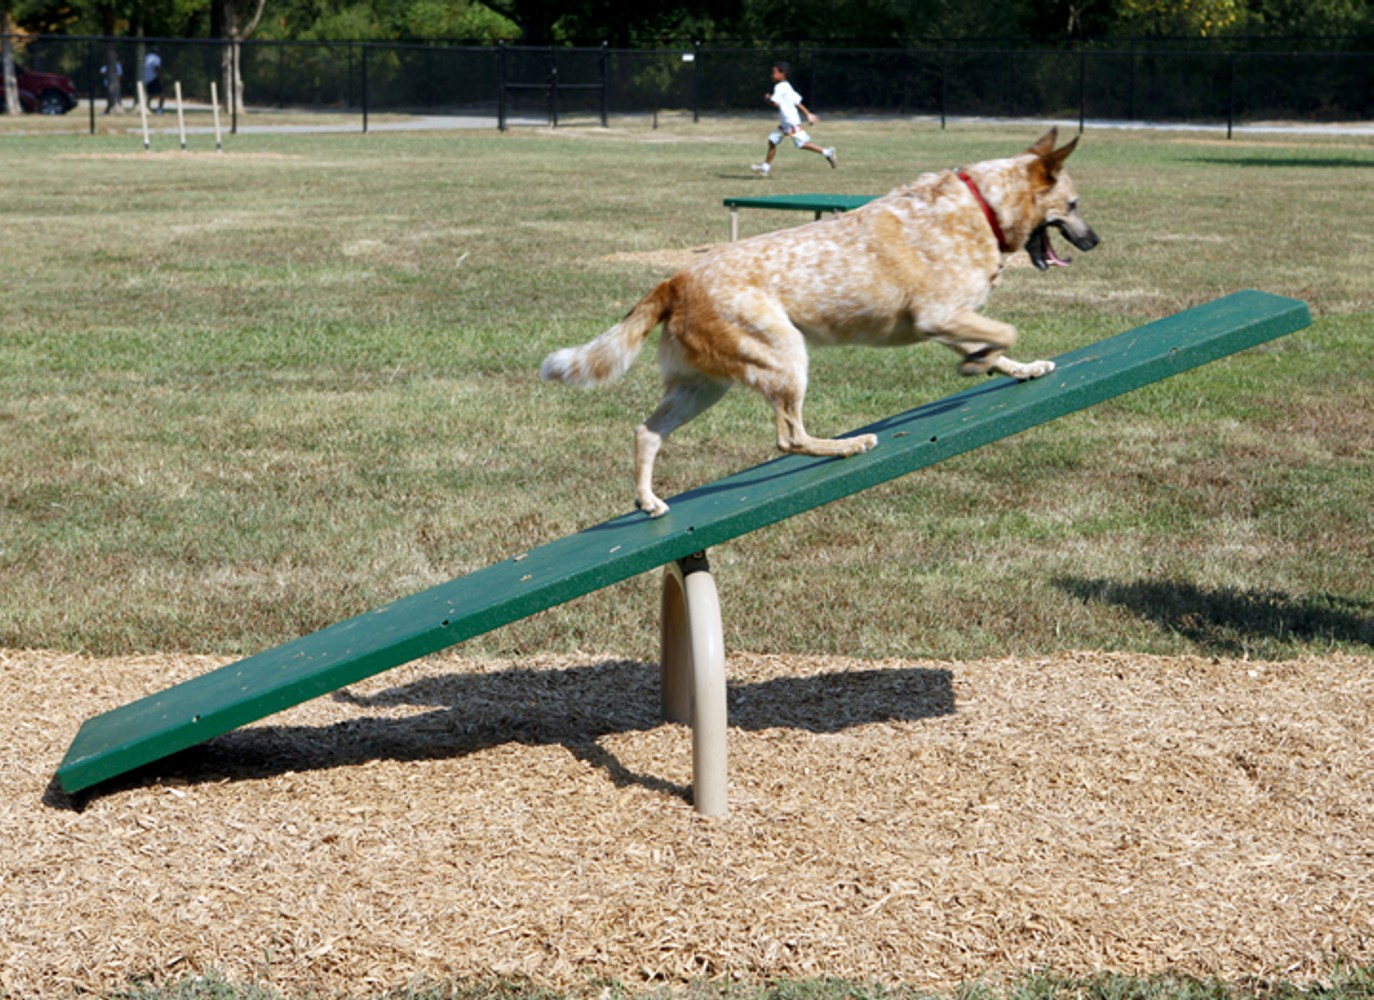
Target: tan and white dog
914, 265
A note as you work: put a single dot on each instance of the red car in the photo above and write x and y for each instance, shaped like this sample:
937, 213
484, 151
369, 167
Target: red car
46, 93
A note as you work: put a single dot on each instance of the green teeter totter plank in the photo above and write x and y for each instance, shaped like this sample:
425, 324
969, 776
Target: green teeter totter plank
152, 728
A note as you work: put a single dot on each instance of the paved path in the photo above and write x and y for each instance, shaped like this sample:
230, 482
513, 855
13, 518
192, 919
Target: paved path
428, 123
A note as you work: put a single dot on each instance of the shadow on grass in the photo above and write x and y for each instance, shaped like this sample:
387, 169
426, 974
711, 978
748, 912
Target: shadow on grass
573, 707
1233, 622
1315, 162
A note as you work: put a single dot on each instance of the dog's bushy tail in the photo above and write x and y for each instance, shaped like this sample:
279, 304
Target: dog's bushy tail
610, 355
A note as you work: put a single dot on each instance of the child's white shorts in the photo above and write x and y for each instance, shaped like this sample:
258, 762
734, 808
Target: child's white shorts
794, 132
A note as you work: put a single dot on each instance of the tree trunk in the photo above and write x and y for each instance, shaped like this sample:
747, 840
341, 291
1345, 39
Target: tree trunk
113, 72
231, 84
114, 79
7, 58
232, 53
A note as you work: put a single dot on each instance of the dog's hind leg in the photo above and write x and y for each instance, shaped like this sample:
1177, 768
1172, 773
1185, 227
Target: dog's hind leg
792, 436
780, 375
684, 397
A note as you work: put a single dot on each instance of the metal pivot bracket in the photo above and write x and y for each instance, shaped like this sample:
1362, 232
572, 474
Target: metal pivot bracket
692, 655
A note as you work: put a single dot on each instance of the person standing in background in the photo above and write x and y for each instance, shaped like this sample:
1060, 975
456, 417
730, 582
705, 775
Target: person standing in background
152, 79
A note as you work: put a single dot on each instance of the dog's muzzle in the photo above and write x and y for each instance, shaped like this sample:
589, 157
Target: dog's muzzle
1041, 251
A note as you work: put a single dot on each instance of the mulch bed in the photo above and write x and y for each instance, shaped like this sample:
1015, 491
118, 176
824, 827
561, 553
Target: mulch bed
898, 821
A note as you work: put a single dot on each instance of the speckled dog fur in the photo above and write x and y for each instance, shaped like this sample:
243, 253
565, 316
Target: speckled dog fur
915, 265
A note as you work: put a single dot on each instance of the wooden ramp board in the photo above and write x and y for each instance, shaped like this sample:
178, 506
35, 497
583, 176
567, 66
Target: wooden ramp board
182, 716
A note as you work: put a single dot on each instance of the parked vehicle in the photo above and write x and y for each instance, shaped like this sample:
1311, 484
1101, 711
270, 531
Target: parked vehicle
42, 93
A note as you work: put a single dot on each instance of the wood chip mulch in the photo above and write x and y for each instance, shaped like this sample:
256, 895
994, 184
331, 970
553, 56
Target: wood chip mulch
901, 821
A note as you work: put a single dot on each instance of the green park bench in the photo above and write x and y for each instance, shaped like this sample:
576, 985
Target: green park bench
820, 204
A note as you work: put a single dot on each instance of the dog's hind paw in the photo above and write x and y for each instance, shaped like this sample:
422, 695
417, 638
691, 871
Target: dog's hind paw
652, 505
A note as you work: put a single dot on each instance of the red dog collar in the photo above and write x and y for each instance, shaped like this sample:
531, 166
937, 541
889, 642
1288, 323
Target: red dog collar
987, 211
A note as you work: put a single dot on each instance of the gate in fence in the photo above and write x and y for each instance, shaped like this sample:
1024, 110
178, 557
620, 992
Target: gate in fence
552, 81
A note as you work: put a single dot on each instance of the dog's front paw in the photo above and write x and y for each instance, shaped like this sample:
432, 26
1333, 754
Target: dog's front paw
652, 505
865, 442
1033, 369
979, 362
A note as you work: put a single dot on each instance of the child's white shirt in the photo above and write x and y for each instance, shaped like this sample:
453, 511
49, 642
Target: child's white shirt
786, 98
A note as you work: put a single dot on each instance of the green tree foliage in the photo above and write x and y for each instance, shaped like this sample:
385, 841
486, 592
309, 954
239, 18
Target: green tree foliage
653, 23
1312, 18
445, 19
150, 18
387, 20
1182, 18
40, 17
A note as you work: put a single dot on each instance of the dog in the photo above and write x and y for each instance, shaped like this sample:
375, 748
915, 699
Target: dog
916, 264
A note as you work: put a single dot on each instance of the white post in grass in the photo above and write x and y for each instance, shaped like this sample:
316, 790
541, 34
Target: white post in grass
214, 103
143, 110
181, 118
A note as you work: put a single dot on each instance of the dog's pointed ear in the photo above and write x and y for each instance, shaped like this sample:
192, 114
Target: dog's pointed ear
1045, 169
1054, 162
1043, 146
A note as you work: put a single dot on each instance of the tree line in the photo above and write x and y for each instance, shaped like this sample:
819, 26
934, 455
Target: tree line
671, 23
667, 23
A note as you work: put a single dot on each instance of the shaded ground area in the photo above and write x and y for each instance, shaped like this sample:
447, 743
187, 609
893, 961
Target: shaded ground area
901, 821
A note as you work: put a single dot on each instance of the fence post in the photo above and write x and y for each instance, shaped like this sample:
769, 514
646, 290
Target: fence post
696, 81
90, 79
1231, 98
906, 81
501, 85
944, 85
365, 95
1135, 65
1082, 89
605, 84
553, 87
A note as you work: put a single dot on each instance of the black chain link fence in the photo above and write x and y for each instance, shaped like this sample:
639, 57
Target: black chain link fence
521, 84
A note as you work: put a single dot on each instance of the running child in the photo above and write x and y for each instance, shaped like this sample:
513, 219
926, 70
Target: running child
790, 110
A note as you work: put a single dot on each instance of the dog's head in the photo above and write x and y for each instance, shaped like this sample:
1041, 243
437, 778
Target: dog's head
1055, 203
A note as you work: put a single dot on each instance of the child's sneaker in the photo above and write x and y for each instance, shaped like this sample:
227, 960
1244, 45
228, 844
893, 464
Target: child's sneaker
829, 153
762, 169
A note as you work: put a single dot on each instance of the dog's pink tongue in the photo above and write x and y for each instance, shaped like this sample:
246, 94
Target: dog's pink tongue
1052, 258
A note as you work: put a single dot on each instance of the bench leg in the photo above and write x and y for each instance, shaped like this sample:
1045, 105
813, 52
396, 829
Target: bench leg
692, 657
734, 223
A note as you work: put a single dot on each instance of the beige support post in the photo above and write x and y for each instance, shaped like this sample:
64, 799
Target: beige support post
143, 111
692, 656
181, 117
214, 104
734, 223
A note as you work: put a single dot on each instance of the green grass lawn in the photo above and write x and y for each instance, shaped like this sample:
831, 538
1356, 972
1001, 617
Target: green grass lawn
243, 397
1344, 984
